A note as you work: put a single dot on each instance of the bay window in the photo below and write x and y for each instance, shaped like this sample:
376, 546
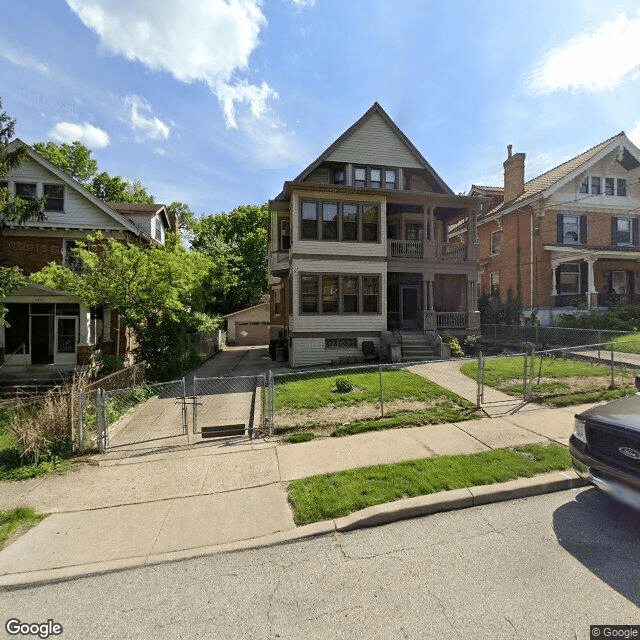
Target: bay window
339, 294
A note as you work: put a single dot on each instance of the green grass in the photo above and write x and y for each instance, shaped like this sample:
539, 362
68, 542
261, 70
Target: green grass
629, 343
305, 436
310, 391
11, 520
339, 494
447, 411
499, 372
11, 464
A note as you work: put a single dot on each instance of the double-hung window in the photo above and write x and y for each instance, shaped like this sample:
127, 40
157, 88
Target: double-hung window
621, 187
309, 221
572, 228
595, 185
609, 187
350, 222
494, 284
329, 220
624, 231
496, 242
370, 219
569, 278
339, 294
26, 190
54, 197
360, 177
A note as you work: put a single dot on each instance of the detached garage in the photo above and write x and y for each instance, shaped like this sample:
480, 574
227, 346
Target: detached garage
249, 326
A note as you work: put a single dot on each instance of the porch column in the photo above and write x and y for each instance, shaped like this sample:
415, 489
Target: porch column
554, 278
430, 283
85, 324
472, 226
591, 283
432, 233
425, 222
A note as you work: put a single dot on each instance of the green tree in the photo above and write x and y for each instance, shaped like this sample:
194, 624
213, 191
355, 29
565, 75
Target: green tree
14, 211
156, 292
116, 189
74, 159
186, 217
237, 242
10, 279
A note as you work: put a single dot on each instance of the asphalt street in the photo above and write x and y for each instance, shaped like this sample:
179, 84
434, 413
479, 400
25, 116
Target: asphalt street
545, 567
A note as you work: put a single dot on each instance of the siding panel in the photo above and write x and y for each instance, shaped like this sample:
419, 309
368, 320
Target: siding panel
375, 143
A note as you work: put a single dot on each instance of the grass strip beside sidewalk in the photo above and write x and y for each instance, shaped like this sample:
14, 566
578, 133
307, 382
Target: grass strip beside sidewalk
11, 521
338, 494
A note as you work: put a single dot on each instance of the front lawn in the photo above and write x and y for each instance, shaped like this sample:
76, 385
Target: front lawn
555, 381
338, 494
629, 343
343, 403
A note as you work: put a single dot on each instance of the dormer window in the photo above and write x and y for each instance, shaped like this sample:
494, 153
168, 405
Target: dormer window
339, 176
608, 187
595, 185
622, 187
390, 179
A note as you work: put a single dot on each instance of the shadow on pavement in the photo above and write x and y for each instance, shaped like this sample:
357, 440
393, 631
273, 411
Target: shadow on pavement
602, 535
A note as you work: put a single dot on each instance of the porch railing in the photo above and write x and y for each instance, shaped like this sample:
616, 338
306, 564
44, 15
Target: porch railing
447, 320
417, 250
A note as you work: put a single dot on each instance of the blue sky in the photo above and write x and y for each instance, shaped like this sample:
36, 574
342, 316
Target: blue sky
217, 102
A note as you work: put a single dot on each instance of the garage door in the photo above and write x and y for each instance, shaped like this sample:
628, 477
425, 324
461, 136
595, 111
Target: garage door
252, 333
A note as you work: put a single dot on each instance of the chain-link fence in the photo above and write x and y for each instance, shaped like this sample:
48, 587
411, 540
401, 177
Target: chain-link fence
207, 344
559, 377
140, 414
229, 406
514, 336
361, 398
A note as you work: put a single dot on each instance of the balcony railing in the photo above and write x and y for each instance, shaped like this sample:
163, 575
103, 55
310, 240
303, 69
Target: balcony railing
418, 250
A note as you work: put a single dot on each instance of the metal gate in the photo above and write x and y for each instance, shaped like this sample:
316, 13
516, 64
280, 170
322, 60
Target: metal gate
137, 416
231, 406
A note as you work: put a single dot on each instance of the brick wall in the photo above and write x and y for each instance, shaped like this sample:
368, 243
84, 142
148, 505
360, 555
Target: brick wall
31, 253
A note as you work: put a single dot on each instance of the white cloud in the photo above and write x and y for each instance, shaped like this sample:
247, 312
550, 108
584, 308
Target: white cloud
634, 134
89, 135
596, 60
303, 3
143, 122
21, 59
207, 41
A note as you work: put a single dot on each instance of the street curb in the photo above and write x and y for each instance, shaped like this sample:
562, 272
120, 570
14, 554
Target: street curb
373, 516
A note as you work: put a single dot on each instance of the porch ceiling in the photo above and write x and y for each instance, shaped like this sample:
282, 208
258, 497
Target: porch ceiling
571, 254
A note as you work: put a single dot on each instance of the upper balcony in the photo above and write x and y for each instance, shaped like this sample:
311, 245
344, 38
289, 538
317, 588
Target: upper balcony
432, 251
278, 262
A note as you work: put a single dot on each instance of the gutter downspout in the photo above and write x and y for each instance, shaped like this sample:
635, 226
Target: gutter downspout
531, 264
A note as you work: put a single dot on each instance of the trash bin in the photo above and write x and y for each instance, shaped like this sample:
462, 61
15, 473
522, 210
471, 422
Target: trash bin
281, 354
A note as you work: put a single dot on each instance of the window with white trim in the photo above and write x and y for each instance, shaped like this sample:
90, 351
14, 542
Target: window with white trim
569, 279
54, 197
339, 294
340, 221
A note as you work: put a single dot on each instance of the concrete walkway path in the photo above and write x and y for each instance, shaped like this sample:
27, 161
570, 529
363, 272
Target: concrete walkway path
126, 512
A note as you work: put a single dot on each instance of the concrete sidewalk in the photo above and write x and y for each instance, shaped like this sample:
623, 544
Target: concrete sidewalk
180, 503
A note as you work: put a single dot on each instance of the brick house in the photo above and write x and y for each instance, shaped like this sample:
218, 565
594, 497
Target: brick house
359, 251
49, 327
568, 239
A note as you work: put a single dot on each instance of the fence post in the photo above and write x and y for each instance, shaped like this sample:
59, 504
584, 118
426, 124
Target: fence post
381, 392
80, 419
185, 419
613, 379
525, 376
480, 392
99, 421
272, 402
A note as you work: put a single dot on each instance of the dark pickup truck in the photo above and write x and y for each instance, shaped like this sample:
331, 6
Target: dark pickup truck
605, 447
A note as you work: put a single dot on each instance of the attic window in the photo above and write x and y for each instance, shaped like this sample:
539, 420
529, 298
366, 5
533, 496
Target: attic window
26, 190
54, 196
376, 178
360, 177
595, 185
339, 176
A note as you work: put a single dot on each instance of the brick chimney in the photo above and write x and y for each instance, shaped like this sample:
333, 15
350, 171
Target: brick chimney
513, 175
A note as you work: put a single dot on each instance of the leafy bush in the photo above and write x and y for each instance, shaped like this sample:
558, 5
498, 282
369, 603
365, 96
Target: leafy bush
344, 385
454, 344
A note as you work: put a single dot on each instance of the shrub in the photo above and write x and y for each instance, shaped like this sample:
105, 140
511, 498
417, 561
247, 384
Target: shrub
454, 345
344, 385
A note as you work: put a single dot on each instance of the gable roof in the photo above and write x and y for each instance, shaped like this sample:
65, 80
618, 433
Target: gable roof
139, 209
374, 109
558, 176
77, 186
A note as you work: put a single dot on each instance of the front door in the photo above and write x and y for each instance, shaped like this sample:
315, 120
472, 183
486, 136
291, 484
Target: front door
41, 340
66, 339
409, 309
